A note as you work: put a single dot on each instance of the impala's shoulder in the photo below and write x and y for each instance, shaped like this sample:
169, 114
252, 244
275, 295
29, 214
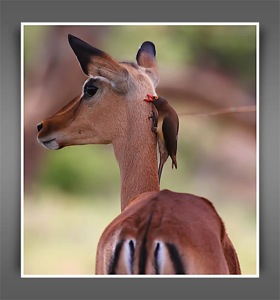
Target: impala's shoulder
188, 199
170, 199
176, 195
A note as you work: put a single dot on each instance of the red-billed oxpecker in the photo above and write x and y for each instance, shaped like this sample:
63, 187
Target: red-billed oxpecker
166, 127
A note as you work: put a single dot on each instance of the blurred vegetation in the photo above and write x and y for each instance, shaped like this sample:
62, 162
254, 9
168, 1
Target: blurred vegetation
81, 170
229, 49
76, 191
34, 37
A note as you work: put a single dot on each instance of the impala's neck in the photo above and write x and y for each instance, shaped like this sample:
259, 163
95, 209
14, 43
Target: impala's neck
137, 157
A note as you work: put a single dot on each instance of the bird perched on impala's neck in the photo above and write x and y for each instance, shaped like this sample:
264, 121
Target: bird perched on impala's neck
167, 127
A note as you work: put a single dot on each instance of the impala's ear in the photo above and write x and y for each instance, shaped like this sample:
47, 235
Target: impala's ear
146, 57
95, 62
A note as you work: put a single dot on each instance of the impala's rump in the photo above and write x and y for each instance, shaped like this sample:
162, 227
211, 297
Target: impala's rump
154, 243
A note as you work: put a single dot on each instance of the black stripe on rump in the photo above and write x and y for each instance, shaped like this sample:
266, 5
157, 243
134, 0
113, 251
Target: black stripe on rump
143, 250
115, 258
156, 259
132, 251
176, 259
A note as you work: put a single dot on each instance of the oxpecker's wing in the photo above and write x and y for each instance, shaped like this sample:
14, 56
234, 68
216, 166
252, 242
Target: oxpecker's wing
170, 133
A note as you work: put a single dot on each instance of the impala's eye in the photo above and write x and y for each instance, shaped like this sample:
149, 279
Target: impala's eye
90, 90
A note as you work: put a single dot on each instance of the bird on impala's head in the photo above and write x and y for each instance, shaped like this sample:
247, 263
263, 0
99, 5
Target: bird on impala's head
167, 127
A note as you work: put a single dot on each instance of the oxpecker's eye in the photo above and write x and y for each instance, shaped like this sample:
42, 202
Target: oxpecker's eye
90, 90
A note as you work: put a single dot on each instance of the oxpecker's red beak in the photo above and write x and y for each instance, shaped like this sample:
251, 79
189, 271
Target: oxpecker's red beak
150, 98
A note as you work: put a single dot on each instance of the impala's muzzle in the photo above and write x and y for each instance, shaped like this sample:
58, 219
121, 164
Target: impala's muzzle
45, 139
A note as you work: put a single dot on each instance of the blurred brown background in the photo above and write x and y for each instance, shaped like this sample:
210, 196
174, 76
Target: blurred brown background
71, 195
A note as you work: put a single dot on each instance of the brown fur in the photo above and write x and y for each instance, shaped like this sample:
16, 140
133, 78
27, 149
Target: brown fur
187, 221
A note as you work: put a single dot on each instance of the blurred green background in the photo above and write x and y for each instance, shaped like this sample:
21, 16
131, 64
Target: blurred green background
71, 195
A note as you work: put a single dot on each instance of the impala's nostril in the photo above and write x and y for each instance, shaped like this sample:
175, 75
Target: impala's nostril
39, 127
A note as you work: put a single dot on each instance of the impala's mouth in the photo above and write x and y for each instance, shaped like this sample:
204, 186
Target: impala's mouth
49, 144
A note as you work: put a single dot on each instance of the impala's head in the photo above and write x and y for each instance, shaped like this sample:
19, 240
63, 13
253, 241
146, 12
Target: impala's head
111, 96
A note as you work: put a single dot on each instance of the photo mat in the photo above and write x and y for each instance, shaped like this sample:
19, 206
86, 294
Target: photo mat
15, 287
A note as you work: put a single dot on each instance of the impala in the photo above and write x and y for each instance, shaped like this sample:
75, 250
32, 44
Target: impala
157, 232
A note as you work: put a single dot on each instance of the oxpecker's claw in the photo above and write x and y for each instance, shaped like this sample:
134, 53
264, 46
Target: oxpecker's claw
154, 129
153, 117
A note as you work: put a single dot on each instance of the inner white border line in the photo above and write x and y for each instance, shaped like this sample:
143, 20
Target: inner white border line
257, 142
139, 23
